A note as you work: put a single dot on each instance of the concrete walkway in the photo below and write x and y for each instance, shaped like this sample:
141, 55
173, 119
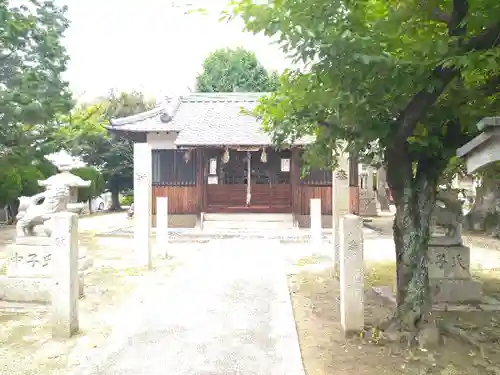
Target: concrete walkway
227, 312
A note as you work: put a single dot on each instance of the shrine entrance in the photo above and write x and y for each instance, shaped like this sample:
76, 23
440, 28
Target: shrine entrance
248, 180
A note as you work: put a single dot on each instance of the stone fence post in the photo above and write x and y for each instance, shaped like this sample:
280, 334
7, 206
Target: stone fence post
65, 278
315, 212
351, 274
162, 224
142, 203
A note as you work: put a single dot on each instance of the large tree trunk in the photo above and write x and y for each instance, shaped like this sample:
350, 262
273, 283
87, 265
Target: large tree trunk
414, 195
411, 238
115, 200
382, 191
12, 210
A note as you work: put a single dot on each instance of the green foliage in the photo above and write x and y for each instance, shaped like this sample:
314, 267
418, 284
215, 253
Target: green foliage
232, 70
126, 200
401, 81
84, 133
32, 91
369, 64
96, 187
10, 184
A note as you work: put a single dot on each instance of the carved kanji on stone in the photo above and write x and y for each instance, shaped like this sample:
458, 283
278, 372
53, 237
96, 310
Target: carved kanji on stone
60, 241
140, 176
441, 260
341, 174
33, 259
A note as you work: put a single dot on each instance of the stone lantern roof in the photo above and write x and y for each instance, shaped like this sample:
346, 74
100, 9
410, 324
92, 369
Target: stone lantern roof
64, 178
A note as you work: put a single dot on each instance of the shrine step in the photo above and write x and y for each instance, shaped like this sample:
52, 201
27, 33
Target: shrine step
252, 217
255, 222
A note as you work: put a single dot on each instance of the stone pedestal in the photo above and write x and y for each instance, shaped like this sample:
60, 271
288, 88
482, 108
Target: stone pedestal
31, 266
449, 275
340, 205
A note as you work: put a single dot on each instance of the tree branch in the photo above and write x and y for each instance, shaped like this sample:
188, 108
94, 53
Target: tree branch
405, 124
491, 86
460, 10
440, 16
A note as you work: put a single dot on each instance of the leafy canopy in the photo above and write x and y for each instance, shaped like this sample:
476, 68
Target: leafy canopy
32, 91
231, 70
97, 184
84, 133
394, 72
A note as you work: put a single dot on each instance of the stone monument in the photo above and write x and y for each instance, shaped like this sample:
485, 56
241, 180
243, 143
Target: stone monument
29, 269
449, 260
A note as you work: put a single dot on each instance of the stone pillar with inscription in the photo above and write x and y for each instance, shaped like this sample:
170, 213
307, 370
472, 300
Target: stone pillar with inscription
351, 274
340, 204
64, 291
142, 203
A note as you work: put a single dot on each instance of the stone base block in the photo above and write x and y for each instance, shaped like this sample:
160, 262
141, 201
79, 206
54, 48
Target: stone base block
455, 290
449, 262
85, 263
20, 289
367, 207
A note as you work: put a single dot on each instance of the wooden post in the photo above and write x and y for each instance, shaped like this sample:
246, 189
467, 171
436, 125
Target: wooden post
65, 288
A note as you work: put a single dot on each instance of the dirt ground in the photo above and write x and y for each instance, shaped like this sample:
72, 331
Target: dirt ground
383, 224
325, 350
26, 346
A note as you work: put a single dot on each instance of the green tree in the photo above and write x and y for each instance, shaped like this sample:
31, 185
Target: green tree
232, 70
96, 187
412, 77
31, 91
84, 133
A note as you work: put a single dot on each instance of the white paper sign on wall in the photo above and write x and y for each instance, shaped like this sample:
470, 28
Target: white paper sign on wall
213, 180
213, 166
285, 165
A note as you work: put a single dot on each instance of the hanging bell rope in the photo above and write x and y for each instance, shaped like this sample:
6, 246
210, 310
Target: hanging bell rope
263, 156
225, 157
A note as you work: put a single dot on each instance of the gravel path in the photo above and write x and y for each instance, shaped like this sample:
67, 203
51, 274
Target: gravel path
228, 312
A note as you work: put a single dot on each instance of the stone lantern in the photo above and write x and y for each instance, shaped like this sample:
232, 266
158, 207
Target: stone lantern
68, 179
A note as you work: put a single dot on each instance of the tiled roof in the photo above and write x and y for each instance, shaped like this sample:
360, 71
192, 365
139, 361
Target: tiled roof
204, 119
156, 119
217, 119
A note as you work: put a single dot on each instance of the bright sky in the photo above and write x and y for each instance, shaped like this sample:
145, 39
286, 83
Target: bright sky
150, 45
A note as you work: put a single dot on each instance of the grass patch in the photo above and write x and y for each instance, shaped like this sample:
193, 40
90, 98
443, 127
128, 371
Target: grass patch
380, 274
490, 280
307, 261
325, 350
